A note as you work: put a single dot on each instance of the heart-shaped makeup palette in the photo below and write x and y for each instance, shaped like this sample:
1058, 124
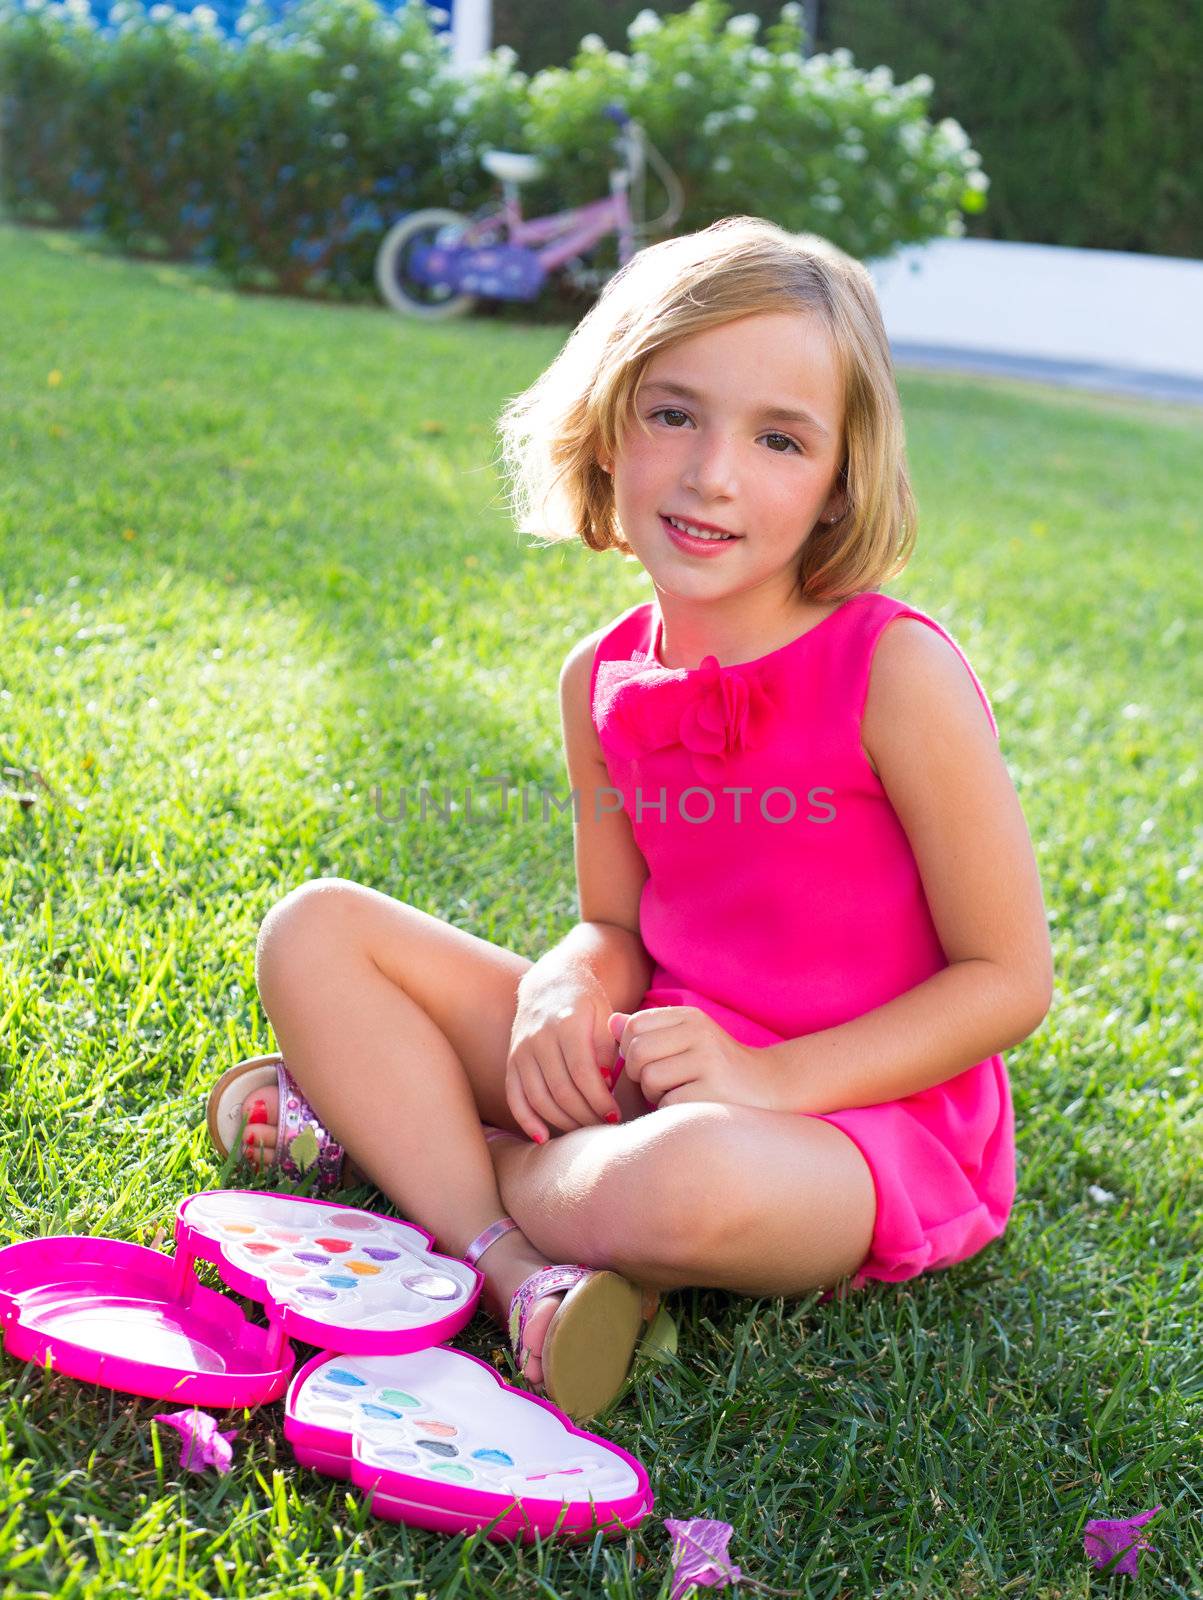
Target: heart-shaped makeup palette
333, 1275
432, 1435
436, 1437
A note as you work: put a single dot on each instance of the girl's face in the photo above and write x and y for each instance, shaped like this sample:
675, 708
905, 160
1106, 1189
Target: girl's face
746, 434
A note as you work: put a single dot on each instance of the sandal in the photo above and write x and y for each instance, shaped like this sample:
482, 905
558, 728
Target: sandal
302, 1143
590, 1341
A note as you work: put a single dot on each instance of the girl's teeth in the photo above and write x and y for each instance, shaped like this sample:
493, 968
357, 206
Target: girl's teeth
696, 533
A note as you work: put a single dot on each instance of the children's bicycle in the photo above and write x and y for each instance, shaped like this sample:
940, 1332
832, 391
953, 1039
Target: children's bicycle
436, 263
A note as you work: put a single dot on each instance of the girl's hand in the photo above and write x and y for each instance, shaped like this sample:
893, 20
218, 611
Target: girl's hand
678, 1053
562, 1057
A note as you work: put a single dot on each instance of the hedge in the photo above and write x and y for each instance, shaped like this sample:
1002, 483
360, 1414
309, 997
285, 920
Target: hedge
283, 158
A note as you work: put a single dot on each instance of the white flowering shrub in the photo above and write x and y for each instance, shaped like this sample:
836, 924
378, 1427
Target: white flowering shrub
283, 153
751, 126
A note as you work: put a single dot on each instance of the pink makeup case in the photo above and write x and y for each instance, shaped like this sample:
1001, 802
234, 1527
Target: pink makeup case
432, 1436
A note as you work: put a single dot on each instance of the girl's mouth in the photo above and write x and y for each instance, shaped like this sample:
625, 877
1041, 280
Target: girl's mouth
694, 546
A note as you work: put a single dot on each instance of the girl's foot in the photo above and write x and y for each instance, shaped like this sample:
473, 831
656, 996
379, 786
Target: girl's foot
504, 1266
261, 1108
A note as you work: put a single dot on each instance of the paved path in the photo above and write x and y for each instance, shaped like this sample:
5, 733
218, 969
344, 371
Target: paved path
1067, 374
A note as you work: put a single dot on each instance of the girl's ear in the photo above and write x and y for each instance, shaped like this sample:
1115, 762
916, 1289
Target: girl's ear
837, 500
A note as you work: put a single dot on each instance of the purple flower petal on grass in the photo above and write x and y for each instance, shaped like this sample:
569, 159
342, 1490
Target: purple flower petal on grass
1105, 1539
700, 1555
201, 1443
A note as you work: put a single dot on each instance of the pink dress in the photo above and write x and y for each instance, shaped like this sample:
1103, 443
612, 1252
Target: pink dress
783, 896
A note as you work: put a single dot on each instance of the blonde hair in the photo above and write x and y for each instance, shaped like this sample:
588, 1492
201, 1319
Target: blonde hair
553, 433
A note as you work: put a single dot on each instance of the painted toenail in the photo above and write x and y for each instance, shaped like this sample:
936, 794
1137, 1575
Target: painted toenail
258, 1111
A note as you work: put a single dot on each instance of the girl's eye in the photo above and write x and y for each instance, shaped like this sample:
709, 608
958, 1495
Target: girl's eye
671, 411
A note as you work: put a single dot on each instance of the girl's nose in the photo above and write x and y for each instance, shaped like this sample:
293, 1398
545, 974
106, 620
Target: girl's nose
711, 470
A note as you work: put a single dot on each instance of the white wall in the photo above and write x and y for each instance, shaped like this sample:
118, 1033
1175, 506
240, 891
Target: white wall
471, 31
1101, 306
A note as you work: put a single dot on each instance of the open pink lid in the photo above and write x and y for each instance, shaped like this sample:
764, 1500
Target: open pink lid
123, 1316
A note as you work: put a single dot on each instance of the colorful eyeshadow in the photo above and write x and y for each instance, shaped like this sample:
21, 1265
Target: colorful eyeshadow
261, 1249
337, 1246
398, 1397
355, 1222
377, 1411
286, 1269
235, 1227
327, 1393
308, 1255
443, 1430
311, 1293
337, 1281
377, 1254
432, 1285
499, 1456
341, 1375
363, 1269
451, 1469
283, 1234
436, 1447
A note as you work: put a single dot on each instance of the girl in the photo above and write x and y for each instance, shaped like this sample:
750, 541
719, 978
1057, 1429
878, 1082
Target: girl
810, 915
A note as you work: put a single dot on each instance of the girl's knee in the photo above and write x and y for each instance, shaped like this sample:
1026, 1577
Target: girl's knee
303, 927
659, 1200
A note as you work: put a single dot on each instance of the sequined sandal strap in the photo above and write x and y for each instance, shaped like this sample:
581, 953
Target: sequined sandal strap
303, 1142
548, 1280
490, 1235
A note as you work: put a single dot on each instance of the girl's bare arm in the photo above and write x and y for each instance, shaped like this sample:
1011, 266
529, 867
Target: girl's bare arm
931, 743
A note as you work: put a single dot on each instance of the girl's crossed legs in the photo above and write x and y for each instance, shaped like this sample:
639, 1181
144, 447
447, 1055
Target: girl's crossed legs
397, 1027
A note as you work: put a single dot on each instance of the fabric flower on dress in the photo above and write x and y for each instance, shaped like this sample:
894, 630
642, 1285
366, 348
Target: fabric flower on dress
715, 712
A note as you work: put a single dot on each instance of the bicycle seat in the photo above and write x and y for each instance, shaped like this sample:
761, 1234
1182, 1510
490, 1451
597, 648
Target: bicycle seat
511, 167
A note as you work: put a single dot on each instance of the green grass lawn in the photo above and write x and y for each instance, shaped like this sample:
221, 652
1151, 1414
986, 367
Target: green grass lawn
256, 560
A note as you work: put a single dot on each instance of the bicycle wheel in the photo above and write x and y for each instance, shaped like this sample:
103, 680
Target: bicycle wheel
399, 288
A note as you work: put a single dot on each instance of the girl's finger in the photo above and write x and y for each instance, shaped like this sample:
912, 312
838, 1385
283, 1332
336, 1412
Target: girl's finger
676, 1069
524, 1116
572, 1094
640, 1022
653, 1044
683, 1094
538, 1080
590, 1078
562, 1085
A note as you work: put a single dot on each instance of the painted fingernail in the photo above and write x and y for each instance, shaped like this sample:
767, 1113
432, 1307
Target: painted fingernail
611, 1116
258, 1111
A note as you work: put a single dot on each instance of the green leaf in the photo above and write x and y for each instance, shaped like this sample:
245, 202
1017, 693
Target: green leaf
660, 1340
303, 1149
